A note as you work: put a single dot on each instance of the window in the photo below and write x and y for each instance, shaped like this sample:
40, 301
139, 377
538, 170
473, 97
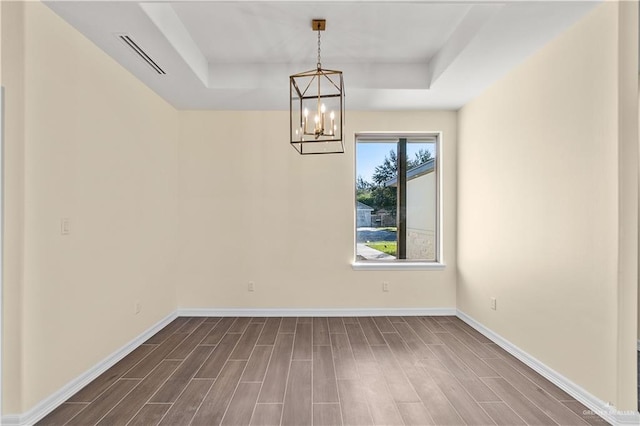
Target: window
397, 199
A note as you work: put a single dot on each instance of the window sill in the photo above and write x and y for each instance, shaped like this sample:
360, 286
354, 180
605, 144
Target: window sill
398, 266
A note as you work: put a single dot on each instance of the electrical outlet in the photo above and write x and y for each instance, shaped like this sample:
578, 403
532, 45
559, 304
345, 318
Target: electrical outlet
251, 286
65, 226
493, 303
385, 286
137, 308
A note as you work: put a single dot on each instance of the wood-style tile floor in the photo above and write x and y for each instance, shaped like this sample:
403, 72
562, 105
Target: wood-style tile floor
320, 371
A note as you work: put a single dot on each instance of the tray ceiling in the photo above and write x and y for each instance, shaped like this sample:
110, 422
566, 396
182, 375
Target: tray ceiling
395, 55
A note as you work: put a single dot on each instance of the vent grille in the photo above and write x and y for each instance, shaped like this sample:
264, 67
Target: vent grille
138, 50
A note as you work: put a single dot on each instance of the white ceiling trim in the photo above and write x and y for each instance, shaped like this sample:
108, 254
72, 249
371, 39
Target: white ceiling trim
274, 75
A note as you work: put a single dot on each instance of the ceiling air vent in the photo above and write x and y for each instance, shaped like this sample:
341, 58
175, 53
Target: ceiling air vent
138, 50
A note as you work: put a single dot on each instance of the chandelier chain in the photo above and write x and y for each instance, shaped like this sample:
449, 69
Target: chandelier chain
319, 64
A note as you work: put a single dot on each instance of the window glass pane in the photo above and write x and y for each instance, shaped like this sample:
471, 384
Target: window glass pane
383, 209
375, 203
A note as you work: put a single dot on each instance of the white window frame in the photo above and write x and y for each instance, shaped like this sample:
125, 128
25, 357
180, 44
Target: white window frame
402, 264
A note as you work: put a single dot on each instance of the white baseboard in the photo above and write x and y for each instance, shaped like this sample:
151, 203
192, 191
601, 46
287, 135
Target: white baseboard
598, 406
313, 312
49, 404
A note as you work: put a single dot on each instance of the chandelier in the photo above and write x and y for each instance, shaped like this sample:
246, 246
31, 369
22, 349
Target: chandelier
317, 107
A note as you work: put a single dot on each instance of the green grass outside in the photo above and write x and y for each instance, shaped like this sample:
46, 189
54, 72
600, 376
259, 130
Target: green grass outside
388, 247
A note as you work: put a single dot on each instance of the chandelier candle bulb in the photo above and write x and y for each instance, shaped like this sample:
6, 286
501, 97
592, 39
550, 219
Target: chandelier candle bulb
304, 121
333, 123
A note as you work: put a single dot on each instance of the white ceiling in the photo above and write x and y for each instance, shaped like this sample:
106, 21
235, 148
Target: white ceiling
395, 55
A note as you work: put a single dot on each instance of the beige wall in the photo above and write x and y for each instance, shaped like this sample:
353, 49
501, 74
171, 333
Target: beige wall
97, 147
253, 209
13, 82
541, 201
627, 309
